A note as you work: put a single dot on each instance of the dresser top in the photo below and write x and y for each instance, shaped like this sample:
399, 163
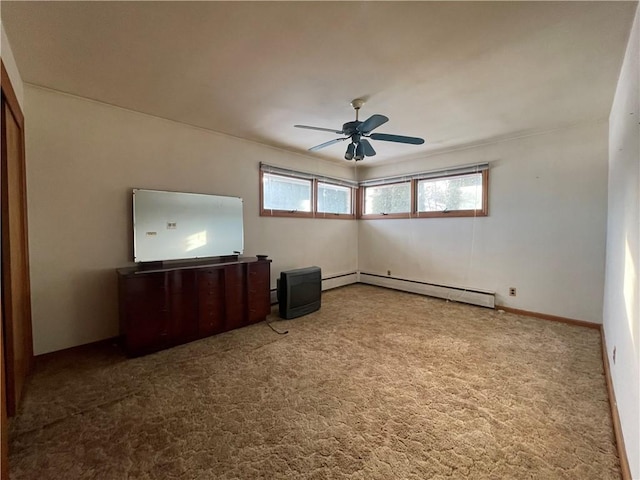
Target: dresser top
170, 265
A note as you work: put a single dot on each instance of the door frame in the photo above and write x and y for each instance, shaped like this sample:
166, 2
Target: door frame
9, 397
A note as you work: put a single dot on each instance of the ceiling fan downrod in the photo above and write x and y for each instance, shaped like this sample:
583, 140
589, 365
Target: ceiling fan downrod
357, 104
355, 150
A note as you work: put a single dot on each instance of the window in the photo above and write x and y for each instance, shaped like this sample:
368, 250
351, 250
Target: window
450, 194
457, 192
287, 193
334, 199
388, 199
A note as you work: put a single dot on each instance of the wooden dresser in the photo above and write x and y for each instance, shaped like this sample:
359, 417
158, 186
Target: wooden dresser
171, 305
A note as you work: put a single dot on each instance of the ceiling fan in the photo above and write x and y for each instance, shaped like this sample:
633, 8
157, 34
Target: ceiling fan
358, 132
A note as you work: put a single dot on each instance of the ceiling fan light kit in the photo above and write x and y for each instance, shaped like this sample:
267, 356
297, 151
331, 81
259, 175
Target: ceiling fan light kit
351, 148
359, 147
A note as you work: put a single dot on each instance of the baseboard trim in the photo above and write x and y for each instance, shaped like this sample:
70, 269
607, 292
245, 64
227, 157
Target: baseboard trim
625, 470
79, 348
546, 316
340, 280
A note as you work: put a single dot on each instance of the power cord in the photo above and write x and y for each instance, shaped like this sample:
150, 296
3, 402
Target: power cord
277, 331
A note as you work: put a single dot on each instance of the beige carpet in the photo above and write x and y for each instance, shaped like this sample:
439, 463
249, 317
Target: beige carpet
377, 385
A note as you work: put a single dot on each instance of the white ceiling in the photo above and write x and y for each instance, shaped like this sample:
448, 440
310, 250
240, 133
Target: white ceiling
455, 73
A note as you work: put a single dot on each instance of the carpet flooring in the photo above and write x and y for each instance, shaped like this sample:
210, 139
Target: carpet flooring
378, 384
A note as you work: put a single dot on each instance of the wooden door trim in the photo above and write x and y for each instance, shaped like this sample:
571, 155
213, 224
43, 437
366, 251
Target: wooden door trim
10, 95
4, 430
9, 98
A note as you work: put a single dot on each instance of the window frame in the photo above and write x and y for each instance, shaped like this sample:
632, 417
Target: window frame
269, 212
272, 212
414, 213
343, 216
483, 211
363, 197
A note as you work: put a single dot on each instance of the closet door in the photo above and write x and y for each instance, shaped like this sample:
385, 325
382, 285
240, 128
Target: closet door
16, 301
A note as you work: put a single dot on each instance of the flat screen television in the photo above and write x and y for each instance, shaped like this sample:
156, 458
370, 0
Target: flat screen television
299, 292
178, 225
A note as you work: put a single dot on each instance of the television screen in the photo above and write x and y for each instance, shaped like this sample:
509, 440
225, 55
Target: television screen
175, 225
303, 290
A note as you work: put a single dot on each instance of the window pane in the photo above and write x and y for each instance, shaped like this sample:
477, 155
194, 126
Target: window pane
334, 198
286, 193
452, 193
395, 198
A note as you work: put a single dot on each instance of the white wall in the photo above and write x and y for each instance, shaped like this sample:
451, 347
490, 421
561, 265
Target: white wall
10, 65
83, 159
622, 296
545, 233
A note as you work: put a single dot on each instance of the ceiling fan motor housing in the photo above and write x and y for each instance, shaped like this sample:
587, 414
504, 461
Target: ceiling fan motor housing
350, 128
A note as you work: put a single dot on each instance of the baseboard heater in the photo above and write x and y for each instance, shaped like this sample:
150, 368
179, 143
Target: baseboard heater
482, 298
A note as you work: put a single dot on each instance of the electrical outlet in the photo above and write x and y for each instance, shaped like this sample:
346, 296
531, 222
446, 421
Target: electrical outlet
388, 272
512, 291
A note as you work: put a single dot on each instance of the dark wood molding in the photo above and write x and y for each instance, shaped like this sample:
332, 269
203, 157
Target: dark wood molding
4, 424
10, 95
15, 313
16, 287
625, 470
546, 316
4, 431
81, 349
25, 228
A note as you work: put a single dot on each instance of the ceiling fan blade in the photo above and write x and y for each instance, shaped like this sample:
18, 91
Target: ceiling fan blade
374, 121
368, 149
397, 138
326, 144
332, 130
